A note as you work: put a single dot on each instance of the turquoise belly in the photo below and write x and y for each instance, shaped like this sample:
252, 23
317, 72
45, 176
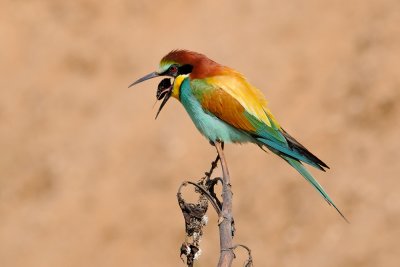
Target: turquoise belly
210, 126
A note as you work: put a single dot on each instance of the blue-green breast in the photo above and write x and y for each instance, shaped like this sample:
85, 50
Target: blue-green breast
209, 125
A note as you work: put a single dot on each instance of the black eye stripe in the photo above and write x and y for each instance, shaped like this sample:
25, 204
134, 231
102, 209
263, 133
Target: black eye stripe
175, 70
185, 69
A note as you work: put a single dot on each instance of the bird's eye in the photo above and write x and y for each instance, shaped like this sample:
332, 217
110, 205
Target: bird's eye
173, 69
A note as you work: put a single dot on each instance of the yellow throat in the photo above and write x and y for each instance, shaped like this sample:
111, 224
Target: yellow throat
177, 85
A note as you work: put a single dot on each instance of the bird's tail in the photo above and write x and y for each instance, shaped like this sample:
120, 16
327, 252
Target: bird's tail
303, 171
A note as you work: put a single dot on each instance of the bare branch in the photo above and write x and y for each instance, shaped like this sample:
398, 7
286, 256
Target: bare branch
195, 219
205, 192
195, 215
214, 165
225, 222
249, 261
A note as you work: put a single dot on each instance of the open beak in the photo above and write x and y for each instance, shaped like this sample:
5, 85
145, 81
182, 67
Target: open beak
164, 89
147, 77
164, 92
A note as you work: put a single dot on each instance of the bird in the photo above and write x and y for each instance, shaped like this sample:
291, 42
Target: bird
226, 108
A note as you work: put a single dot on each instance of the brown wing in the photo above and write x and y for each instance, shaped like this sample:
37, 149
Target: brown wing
226, 108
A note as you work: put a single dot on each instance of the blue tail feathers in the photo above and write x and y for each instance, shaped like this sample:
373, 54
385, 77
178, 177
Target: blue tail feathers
303, 171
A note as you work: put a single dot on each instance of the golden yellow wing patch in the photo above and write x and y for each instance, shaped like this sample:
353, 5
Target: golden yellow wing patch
249, 97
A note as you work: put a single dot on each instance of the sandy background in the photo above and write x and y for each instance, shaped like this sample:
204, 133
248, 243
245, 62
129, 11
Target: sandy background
88, 178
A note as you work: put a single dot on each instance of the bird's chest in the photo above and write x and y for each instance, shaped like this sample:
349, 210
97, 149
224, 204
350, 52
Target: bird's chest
209, 125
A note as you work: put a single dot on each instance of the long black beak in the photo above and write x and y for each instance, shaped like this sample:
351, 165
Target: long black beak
163, 103
147, 77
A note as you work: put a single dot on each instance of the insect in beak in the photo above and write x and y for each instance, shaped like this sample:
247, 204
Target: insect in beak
164, 91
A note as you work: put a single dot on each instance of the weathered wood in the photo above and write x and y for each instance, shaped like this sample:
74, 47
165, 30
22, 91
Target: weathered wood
226, 218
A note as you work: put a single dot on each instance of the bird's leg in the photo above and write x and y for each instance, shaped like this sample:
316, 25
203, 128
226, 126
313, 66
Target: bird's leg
218, 141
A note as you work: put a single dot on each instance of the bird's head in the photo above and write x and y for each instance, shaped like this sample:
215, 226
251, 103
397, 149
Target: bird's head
178, 64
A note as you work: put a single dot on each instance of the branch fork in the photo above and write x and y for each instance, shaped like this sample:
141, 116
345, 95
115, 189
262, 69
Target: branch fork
195, 214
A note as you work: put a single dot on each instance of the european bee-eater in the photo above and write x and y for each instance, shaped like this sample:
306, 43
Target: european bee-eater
226, 108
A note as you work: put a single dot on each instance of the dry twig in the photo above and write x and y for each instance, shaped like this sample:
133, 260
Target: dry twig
195, 214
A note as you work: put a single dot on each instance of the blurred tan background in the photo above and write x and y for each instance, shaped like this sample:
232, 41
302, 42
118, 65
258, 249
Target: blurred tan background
88, 177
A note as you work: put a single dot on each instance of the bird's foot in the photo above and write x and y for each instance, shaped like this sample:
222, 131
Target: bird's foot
219, 141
